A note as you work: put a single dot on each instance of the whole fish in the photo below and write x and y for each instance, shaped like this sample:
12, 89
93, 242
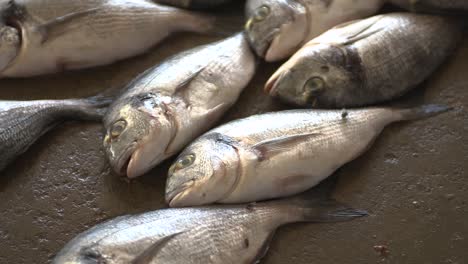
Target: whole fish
366, 62
216, 234
195, 4
46, 36
278, 28
432, 5
23, 122
276, 154
173, 103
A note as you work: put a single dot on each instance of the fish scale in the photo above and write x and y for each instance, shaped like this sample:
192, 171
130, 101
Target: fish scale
172, 103
87, 29
277, 154
212, 234
367, 61
439, 33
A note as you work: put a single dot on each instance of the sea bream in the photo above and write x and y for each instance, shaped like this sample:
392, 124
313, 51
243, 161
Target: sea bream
216, 234
278, 28
23, 122
171, 104
195, 4
47, 36
276, 154
367, 61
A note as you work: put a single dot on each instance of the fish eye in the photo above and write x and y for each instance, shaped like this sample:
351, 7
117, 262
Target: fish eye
182, 163
314, 85
261, 13
117, 128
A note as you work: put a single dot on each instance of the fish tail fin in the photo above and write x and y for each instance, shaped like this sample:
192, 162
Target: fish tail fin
421, 112
91, 108
227, 24
315, 205
324, 210
220, 24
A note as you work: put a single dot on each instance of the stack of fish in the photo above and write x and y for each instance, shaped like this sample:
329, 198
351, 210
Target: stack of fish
338, 56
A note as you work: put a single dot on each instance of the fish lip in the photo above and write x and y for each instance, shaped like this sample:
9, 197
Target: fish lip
134, 171
124, 160
179, 191
272, 83
263, 50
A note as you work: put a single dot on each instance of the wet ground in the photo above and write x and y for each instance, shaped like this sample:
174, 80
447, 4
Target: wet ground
413, 181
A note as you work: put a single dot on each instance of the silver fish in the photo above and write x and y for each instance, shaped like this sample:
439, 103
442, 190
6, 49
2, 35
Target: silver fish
173, 103
278, 28
216, 234
196, 4
276, 154
46, 36
23, 122
432, 5
366, 62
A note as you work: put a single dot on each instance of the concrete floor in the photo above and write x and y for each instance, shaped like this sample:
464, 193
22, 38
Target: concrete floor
412, 181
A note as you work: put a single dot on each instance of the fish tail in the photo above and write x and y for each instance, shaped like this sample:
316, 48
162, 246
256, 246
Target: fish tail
92, 108
227, 24
421, 112
309, 208
219, 25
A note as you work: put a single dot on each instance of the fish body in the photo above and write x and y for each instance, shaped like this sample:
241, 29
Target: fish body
195, 4
56, 35
23, 122
173, 103
367, 61
432, 5
278, 28
216, 234
276, 154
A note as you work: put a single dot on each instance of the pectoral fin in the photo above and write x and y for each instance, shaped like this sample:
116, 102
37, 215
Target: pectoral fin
59, 26
185, 83
269, 148
350, 32
147, 256
213, 112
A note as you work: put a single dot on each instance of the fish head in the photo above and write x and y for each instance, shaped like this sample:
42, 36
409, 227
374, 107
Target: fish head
204, 173
276, 28
317, 76
138, 132
10, 44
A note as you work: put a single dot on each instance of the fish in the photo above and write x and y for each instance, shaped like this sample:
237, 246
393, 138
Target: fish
432, 6
277, 154
194, 4
23, 122
48, 36
366, 62
278, 28
228, 234
172, 103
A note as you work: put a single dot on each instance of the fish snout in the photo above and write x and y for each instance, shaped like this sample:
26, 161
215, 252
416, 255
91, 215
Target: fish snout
178, 196
271, 86
119, 163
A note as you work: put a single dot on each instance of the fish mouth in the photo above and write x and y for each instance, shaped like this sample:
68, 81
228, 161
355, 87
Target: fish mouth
174, 197
138, 165
121, 166
271, 86
263, 45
